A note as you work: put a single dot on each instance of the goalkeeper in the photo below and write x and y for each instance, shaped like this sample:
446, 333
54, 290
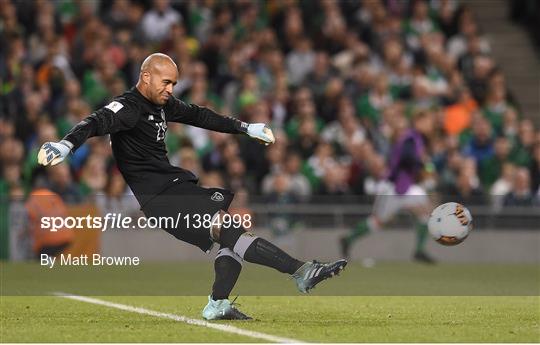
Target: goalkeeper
137, 122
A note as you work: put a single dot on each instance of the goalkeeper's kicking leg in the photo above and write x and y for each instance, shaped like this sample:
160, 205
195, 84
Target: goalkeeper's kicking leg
238, 245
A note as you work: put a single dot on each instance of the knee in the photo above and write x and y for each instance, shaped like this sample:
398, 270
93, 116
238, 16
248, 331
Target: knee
225, 233
215, 228
229, 234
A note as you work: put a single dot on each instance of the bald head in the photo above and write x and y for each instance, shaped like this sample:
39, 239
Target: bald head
157, 77
157, 61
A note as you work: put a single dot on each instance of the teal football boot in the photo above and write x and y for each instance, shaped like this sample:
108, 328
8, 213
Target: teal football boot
312, 273
222, 309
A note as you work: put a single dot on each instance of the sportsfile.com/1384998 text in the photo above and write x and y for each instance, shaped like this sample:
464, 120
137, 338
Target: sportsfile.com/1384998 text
118, 221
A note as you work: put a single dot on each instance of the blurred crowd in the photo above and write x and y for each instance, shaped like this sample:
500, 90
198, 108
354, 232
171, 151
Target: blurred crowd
338, 81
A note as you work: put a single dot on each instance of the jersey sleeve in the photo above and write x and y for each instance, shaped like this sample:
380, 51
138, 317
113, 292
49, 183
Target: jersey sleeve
194, 115
119, 115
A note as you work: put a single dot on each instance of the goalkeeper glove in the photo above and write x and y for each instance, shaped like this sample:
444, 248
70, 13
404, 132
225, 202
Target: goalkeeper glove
53, 153
261, 132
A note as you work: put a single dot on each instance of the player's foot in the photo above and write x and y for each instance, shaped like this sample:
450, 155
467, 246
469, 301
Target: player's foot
312, 273
423, 257
222, 309
345, 247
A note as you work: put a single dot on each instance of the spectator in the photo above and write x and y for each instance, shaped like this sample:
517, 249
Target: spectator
397, 65
468, 29
44, 203
491, 168
329, 102
93, 175
467, 189
317, 79
347, 130
157, 22
280, 193
452, 165
322, 161
495, 106
218, 157
458, 116
237, 178
370, 106
117, 197
502, 186
376, 182
299, 184
300, 61
480, 145
419, 24
510, 123
481, 66
61, 183
523, 146
521, 194
187, 158
212, 179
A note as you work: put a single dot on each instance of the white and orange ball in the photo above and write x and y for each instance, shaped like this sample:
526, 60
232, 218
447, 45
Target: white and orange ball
450, 223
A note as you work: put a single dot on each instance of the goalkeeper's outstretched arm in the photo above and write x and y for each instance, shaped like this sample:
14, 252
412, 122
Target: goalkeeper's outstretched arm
202, 117
119, 115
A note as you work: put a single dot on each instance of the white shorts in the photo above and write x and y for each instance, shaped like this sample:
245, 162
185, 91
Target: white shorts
388, 203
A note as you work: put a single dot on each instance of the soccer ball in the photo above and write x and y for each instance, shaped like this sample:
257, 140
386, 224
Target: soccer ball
450, 223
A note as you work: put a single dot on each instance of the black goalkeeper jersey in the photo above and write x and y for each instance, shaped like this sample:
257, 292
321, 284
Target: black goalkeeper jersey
137, 128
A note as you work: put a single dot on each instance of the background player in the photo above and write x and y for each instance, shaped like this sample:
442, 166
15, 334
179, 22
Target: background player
400, 189
137, 121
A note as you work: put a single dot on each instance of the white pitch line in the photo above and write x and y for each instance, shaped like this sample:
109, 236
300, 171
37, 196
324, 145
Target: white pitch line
180, 318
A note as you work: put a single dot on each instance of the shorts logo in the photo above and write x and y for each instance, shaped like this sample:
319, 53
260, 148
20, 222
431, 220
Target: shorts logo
217, 196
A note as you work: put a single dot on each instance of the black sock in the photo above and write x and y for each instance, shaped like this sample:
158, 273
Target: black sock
227, 270
265, 253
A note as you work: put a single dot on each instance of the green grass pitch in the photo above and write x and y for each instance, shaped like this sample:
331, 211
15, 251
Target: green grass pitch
393, 302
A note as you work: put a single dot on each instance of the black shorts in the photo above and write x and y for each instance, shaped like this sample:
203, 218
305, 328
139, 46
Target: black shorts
190, 207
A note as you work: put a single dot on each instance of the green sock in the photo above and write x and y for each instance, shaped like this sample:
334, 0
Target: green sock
421, 236
361, 229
